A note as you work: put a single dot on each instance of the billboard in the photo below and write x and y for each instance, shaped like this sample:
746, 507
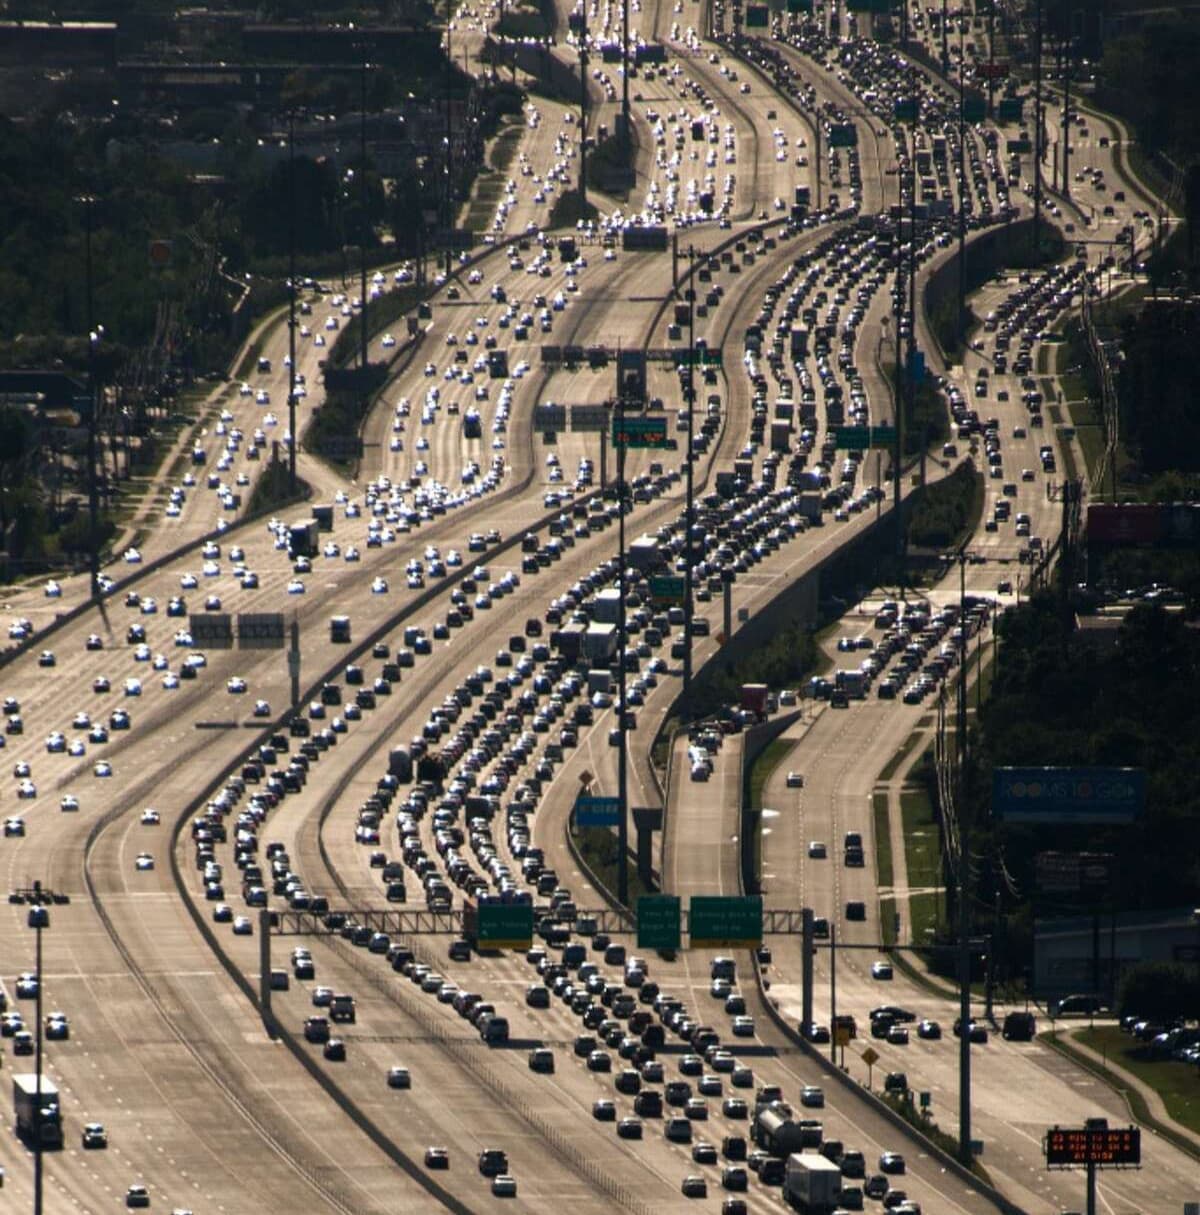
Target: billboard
1081, 875
1070, 796
1130, 523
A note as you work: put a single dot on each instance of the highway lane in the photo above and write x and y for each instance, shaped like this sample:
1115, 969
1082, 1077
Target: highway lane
282, 571
705, 858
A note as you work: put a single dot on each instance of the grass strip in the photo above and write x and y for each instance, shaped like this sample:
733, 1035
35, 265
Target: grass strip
884, 875
1137, 1103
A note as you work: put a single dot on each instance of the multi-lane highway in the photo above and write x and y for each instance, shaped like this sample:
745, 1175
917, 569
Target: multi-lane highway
168, 788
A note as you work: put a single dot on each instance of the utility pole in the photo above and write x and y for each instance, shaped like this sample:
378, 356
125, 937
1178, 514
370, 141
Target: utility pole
626, 129
1066, 114
449, 144
689, 397
89, 201
362, 197
623, 752
962, 190
292, 302
992, 60
1037, 132
898, 389
964, 861
583, 114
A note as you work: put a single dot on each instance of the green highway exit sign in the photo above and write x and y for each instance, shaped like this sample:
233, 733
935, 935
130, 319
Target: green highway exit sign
505, 926
725, 921
658, 921
667, 589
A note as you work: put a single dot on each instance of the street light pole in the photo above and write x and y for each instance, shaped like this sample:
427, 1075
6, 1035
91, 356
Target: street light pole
292, 302
622, 753
689, 396
362, 196
964, 860
39, 918
89, 202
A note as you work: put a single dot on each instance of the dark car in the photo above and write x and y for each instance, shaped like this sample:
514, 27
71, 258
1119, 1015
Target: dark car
1020, 1027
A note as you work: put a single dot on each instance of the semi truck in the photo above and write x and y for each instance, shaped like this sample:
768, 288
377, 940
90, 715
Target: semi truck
812, 1184
600, 643
605, 607
754, 697
25, 1104
810, 506
644, 554
304, 538
568, 641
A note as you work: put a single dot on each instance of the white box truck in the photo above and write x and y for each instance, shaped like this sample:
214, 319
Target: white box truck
811, 1183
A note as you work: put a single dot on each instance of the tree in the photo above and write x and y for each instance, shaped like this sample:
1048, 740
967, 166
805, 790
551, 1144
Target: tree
16, 439
1160, 991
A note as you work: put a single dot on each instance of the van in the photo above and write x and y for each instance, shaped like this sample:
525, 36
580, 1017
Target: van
494, 1030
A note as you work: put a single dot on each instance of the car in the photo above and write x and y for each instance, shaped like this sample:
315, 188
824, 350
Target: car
817, 850
504, 1186
541, 1059
742, 1027
399, 1077
795, 780
977, 1031
897, 1035
812, 1096
876, 1186
437, 1158
143, 862
47, 659
881, 970
222, 914
94, 1136
604, 1110
137, 1195
891, 1163
102, 768
242, 926
235, 685
929, 1030
335, 1050
493, 1162
694, 1186
150, 817
69, 802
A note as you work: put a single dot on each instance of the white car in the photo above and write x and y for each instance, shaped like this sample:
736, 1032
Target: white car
69, 802
150, 817
144, 862
235, 685
102, 768
295, 587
